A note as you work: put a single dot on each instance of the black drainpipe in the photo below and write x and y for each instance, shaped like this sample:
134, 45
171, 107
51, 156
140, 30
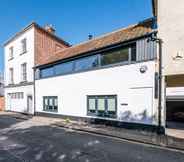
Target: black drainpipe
160, 128
154, 38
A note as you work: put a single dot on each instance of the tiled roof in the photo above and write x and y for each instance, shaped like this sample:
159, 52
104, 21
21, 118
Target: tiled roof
119, 36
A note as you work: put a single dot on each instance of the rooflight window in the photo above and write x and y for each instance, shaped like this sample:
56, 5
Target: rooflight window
86, 63
47, 72
64, 68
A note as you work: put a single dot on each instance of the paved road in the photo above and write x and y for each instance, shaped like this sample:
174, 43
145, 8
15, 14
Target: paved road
27, 141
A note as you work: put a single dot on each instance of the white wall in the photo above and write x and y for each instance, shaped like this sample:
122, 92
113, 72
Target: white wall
20, 105
132, 87
20, 59
171, 30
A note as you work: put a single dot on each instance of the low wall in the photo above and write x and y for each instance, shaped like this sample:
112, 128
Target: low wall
2, 103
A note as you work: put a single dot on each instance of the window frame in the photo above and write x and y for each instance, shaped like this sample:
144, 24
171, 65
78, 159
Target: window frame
24, 72
110, 52
83, 59
98, 113
11, 75
47, 98
16, 95
24, 46
11, 53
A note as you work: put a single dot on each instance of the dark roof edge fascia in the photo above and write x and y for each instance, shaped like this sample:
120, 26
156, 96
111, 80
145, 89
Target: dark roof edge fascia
34, 24
96, 50
154, 7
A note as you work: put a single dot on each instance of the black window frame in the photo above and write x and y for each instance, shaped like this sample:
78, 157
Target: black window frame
53, 106
106, 113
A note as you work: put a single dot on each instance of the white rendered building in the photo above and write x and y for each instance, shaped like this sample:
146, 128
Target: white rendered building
21, 53
112, 77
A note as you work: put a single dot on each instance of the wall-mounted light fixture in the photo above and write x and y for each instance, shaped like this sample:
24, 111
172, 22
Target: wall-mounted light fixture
143, 69
178, 56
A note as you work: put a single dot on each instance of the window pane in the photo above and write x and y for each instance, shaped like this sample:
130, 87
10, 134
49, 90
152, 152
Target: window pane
50, 103
133, 53
22, 95
47, 72
115, 56
86, 63
92, 104
11, 52
111, 102
24, 45
24, 74
64, 68
55, 102
45, 101
101, 104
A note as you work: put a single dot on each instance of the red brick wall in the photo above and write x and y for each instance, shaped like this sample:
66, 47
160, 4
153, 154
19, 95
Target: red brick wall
2, 103
45, 46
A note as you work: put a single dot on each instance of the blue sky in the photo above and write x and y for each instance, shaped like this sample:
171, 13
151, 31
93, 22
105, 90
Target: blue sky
73, 19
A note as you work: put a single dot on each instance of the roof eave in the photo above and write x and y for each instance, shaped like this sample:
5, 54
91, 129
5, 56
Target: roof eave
34, 24
154, 7
19, 33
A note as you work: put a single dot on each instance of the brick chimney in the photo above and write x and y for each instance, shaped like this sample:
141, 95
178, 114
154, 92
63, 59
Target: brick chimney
50, 29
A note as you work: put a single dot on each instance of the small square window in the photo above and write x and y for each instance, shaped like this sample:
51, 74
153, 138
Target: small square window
105, 106
50, 103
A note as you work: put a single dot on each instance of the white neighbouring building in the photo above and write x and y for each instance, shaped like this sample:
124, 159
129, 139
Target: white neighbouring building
21, 52
169, 15
112, 77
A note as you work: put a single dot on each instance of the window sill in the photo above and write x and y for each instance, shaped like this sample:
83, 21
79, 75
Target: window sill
10, 58
11, 84
23, 53
51, 111
22, 82
102, 115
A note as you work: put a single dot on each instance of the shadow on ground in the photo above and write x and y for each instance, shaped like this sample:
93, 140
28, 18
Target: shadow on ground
7, 120
43, 143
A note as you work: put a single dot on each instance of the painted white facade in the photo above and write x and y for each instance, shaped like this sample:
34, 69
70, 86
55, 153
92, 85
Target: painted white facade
134, 90
170, 30
170, 15
20, 105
